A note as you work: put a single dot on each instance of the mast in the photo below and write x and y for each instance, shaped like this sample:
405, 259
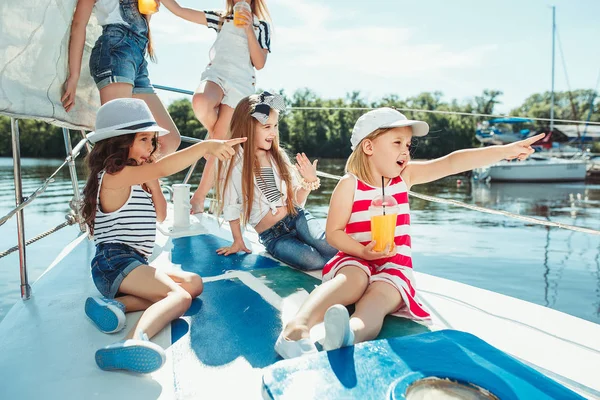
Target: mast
552, 90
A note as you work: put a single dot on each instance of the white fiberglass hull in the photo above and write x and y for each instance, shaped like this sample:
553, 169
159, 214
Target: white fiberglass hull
551, 170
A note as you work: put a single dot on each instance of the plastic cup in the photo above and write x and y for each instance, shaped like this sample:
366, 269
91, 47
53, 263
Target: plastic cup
147, 7
238, 18
384, 213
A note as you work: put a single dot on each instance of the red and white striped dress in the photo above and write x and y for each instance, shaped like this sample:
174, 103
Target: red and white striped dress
396, 270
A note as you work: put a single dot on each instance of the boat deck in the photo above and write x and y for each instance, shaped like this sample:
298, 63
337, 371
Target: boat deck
224, 342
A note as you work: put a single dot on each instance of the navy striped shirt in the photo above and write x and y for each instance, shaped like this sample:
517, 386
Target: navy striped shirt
215, 19
134, 224
266, 183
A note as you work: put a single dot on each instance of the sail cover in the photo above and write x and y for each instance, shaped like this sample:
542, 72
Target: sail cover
34, 42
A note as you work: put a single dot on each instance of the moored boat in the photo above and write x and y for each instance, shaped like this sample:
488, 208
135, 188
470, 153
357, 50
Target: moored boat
535, 169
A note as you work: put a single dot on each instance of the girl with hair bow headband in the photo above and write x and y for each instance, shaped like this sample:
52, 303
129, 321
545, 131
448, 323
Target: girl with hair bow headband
260, 186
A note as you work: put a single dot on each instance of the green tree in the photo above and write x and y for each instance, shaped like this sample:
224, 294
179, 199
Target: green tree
322, 127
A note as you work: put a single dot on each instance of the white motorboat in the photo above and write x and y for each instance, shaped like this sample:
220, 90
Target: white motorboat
535, 169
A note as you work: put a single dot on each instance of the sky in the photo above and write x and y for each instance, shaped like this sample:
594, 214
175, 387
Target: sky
382, 47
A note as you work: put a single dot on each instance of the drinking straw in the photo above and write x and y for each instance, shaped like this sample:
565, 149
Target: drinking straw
383, 193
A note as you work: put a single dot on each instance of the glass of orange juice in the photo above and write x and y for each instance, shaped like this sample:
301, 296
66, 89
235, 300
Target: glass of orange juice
147, 7
238, 18
384, 213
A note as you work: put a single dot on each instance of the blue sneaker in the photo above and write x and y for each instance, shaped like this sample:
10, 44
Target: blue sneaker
107, 314
337, 328
141, 356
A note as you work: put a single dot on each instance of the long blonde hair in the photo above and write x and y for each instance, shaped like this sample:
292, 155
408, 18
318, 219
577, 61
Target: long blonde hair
258, 7
243, 125
358, 162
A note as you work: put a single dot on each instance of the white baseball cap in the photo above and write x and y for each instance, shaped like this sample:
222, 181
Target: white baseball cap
122, 116
382, 118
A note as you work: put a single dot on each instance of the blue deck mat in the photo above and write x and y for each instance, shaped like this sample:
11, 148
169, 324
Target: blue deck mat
383, 369
198, 254
230, 321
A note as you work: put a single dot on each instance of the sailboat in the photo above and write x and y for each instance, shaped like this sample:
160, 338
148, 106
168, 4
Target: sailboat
539, 168
479, 342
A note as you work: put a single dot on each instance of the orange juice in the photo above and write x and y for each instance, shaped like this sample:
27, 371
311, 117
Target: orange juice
147, 7
238, 18
383, 229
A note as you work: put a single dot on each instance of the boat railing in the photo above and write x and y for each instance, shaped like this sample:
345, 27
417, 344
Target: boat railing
74, 216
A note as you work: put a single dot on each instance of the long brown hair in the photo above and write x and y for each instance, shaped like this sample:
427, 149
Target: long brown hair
150, 47
358, 162
110, 155
258, 7
243, 125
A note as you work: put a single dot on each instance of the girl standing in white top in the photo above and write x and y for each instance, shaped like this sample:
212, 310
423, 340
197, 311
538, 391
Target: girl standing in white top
260, 186
230, 75
118, 60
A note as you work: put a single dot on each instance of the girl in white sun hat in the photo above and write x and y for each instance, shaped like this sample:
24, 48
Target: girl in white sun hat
378, 282
122, 202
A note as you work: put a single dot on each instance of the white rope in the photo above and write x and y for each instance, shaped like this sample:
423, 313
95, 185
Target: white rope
189, 92
488, 210
570, 121
70, 221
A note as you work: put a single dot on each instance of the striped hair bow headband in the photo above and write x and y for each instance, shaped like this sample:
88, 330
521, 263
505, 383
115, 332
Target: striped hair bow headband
266, 102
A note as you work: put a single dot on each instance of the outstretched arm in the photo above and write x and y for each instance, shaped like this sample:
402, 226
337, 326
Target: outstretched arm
188, 14
465, 160
168, 165
76, 43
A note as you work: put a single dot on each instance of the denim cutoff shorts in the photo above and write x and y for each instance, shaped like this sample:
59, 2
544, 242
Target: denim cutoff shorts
111, 264
119, 56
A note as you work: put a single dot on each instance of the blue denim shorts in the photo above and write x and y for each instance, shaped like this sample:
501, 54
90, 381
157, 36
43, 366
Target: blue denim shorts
111, 264
118, 56
299, 241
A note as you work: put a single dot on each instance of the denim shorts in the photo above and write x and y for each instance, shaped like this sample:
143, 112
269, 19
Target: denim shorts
111, 264
299, 241
119, 56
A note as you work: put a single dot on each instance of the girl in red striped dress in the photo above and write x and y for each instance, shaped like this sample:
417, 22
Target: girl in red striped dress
378, 282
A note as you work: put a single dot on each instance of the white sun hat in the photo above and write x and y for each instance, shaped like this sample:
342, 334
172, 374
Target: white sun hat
123, 116
382, 118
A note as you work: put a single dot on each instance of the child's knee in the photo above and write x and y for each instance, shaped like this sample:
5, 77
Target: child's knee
351, 290
196, 285
202, 106
353, 277
183, 300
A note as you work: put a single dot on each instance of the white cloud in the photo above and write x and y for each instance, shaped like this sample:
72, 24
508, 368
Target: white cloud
308, 12
332, 50
167, 29
367, 50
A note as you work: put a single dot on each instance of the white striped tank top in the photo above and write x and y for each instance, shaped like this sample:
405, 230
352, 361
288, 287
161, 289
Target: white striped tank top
134, 224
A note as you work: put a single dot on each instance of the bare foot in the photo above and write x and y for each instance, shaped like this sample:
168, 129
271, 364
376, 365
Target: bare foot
197, 206
295, 332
